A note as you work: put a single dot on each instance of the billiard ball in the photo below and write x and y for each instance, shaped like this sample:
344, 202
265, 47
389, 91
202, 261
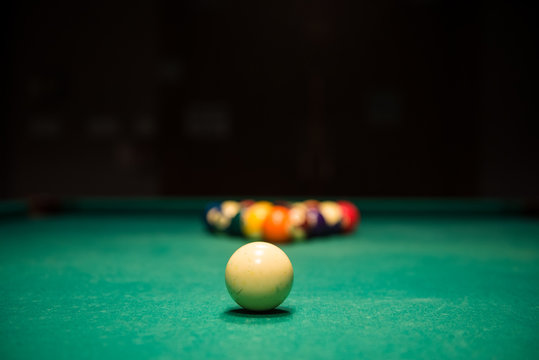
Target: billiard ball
276, 227
212, 212
254, 217
236, 223
351, 216
316, 224
227, 211
298, 222
332, 213
311, 203
259, 276
230, 208
282, 203
246, 203
222, 223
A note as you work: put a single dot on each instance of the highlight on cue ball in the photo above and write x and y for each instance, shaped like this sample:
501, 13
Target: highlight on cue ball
259, 276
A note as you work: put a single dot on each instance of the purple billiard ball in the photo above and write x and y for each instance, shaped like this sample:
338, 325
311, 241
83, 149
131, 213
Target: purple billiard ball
316, 225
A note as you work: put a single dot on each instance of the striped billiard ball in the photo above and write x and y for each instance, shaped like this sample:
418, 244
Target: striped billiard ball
298, 222
212, 212
332, 213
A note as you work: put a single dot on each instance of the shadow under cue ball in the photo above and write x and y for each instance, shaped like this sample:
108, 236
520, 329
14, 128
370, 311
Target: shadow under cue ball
259, 276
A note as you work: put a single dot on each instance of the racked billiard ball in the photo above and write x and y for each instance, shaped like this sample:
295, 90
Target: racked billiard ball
276, 227
236, 224
311, 203
316, 224
246, 203
212, 212
284, 203
223, 219
298, 221
230, 208
259, 276
223, 223
350, 216
254, 217
332, 213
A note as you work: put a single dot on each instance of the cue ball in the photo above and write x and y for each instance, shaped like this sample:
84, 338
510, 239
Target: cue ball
259, 276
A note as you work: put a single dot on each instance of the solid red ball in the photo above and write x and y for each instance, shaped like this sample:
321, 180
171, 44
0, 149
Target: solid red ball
351, 216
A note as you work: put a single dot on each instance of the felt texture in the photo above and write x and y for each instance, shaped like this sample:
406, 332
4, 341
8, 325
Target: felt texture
143, 286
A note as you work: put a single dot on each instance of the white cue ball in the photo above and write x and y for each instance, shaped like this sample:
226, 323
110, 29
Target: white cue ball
259, 276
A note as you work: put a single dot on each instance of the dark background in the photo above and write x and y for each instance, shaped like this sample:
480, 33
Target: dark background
207, 97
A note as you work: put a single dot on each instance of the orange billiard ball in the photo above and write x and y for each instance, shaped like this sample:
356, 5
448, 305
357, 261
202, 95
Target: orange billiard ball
276, 227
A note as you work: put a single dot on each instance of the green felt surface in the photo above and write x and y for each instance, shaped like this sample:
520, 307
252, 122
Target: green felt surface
145, 286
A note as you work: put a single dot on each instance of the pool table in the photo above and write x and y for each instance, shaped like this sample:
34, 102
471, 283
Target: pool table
142, 279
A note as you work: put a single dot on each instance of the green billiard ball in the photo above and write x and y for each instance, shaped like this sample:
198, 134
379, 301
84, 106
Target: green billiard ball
236, 224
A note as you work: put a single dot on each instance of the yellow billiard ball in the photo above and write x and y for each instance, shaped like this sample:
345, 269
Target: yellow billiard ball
259, 276
254, 218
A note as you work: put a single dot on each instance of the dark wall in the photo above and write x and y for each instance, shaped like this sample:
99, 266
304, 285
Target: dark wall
386, 98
